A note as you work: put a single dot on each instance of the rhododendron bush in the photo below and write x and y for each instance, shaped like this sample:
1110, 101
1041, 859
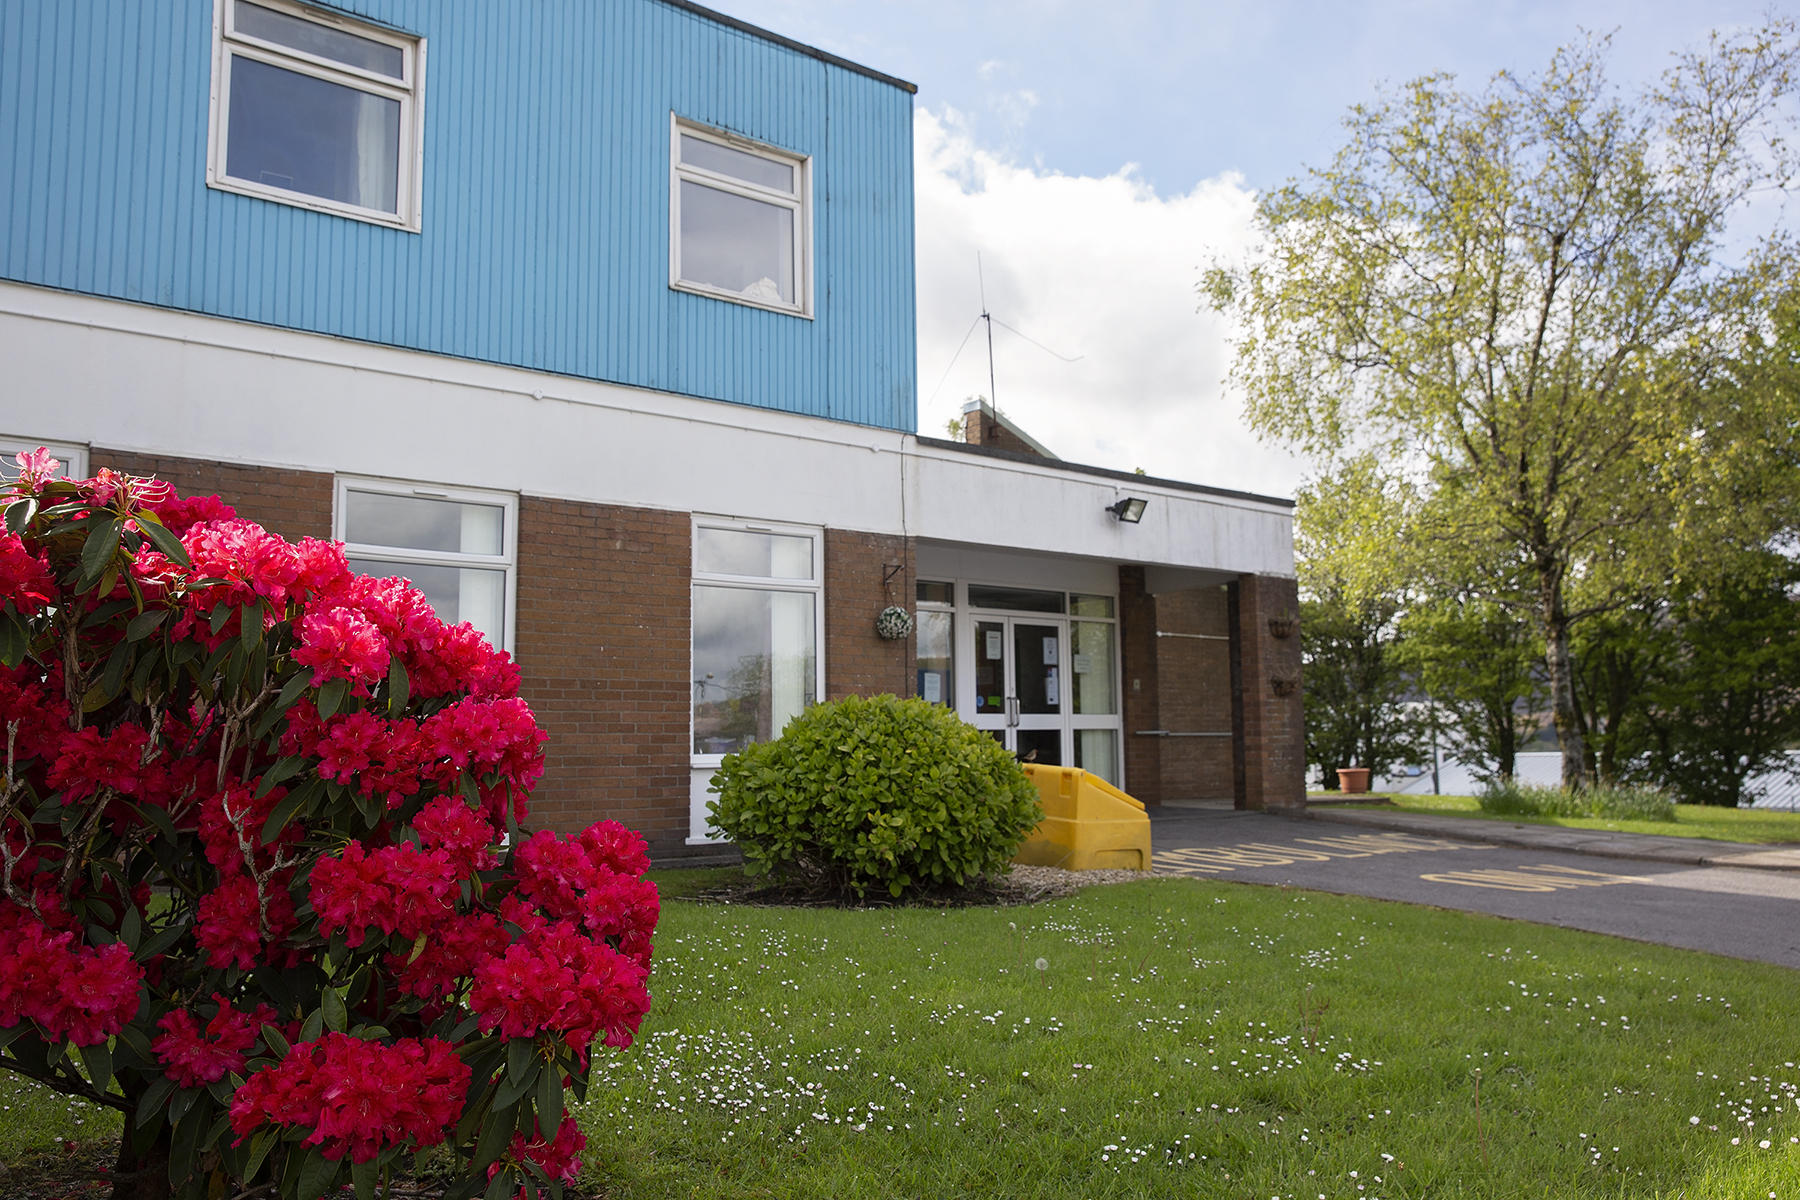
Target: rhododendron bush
262, 883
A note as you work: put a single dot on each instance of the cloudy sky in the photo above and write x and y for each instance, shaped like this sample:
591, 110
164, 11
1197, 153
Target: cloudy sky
1096, 155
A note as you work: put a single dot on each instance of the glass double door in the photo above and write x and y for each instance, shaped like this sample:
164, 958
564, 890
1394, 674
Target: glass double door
1022, 685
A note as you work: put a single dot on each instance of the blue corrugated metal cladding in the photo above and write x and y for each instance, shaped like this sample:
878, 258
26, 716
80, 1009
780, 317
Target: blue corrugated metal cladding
546, 215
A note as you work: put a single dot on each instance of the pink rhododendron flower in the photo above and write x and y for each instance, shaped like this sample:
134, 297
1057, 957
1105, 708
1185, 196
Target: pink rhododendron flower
557, 1157
229, 923
448, 824
341, 643
24, 578
84, 994
358, 1097
398, 889
193, 1057
36, 467
558, 980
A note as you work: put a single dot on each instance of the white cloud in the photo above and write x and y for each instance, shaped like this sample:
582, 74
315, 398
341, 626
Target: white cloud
1103, 268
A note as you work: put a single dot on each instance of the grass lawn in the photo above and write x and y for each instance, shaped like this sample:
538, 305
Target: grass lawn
1691, 820
1185, 1038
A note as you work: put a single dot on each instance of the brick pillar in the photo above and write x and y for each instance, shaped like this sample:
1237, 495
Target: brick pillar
1137, 653
1268, 734
864, 573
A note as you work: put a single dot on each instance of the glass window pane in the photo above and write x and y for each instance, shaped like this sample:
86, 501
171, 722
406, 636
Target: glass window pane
739, 164
936, 632
1091, 662
936, 593
419, 523
738, 244
745, 552
990, 667
255, 21
1018, 599
1097, 750
1037, 668
309, 135
1091, 606
473, 594
754, 665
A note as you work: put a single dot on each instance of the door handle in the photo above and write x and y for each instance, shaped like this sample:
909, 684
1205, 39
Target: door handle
1012, 711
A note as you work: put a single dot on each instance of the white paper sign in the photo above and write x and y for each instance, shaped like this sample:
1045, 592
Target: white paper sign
1084, 664
1052, 695
1049, 650
993, 644
934, 687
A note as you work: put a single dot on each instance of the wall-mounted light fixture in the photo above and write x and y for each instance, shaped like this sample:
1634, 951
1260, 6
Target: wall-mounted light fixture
1129, 510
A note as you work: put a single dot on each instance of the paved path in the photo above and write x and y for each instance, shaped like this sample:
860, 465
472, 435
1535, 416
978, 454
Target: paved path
1704, 901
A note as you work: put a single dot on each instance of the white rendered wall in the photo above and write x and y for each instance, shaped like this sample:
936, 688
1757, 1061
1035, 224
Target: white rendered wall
134, 377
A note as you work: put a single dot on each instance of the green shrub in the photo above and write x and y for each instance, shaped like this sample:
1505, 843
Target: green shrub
1617, 802
875, 792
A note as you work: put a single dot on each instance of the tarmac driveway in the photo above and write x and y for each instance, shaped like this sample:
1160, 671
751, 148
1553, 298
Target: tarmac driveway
1736, 911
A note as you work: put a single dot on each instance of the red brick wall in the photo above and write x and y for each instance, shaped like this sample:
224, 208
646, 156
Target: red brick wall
1194, 693
857, 661
1137, 656
294, 504
603, 641
1271, 768
979, 430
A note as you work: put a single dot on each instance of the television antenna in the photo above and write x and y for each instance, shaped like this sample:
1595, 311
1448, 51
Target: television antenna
991, 320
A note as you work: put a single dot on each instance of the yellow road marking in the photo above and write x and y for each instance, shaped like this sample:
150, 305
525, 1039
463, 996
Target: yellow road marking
1212, 860
1543, 878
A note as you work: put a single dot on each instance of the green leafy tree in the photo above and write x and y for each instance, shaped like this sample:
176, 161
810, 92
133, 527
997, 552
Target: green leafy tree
1481, 663
1351, 587
1516, 298
1728, 703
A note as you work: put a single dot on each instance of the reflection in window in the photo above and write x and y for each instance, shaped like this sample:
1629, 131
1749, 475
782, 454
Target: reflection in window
1091, 663
307, 107
754, 665
747, 552
936, 639
1097, 750
741, 224
304, 134
421, 523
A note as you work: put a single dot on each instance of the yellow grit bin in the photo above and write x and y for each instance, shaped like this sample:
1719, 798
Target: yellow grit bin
1088, 823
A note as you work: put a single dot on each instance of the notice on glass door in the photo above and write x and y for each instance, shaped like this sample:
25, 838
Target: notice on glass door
934, 687
995, 647
1052, 697
1049, 651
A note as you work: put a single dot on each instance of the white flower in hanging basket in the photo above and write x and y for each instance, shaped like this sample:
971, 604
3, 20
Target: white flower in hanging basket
894, 623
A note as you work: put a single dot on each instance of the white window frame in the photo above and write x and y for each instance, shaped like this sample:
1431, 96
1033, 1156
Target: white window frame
507, 562
73, 456
799, 201
702, 766
409, 91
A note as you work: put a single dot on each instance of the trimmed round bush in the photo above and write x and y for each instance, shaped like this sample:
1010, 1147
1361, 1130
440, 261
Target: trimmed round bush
875, 793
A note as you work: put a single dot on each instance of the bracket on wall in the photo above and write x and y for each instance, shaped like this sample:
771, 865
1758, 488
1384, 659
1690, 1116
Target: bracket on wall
891, 570
1284, 686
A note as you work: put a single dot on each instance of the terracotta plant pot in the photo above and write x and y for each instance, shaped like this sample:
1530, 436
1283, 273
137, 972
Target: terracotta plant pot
1353, 779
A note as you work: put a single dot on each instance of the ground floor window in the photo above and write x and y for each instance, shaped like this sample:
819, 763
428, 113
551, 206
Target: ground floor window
456, 545
756, 657
74, 458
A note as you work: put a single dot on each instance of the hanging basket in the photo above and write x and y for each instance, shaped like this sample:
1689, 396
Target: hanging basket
894, 623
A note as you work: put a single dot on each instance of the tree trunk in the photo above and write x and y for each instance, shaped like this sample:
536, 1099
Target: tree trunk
1562, 689
142, 1176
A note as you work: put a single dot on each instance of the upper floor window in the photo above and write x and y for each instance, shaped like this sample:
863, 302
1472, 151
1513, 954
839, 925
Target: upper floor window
455, 544
740, 221
317, 111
